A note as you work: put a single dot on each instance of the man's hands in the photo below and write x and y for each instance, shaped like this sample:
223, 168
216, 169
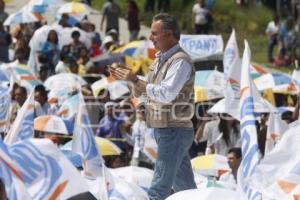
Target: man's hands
122, 72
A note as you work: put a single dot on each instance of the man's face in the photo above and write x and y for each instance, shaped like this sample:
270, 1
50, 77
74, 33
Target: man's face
39, 98
233, 161
20, 96
159, 37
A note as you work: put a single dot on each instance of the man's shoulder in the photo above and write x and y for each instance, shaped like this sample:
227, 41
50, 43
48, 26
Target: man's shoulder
181, 56
180, 53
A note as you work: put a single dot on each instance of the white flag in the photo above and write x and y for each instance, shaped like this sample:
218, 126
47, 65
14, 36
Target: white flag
278, 174
22, 128
45, 171
11, 176
84, 142
248, 132
232, 72
69, 107
5, 100
276, 128
233, 75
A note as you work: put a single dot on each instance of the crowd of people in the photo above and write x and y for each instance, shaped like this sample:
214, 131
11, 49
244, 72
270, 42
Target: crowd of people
283, 34
118, 119
122, 121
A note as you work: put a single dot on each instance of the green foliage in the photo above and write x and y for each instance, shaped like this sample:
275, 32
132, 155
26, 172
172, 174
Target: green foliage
249, 22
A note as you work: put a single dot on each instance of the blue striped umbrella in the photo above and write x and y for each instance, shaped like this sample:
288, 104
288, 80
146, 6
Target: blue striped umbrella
22, 17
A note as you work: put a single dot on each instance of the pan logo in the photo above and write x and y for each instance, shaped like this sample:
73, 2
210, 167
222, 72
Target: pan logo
196, 47
35, 167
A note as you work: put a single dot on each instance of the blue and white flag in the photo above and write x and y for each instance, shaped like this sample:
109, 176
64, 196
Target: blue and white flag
84, 142
248, 132
45, 171
22, 128
232, 74
11, 176
5, 100
278, 174
69, 107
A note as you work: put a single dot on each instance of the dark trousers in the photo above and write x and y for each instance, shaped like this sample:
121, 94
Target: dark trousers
163, 5
149, 5
272, 43
201, 29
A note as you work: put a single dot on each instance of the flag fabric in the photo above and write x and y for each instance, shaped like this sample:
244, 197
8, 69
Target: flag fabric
278, 174
232, 73
150, 147
137, 175
5, 100
22, 128
276, 128
11, 177
103, 185
45, 171
115, 187
232, 60
286, 187
69, 107
250, 149
23, 76
84, 142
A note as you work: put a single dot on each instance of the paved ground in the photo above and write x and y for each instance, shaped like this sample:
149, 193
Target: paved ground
15, 5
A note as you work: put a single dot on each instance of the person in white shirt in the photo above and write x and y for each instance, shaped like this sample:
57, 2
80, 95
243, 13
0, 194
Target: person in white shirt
62, 65
221, 135
41, 105
272, 31
139, 131
234, 160
201, 18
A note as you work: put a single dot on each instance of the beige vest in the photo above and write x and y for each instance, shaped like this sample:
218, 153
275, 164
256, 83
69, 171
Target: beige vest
180, 111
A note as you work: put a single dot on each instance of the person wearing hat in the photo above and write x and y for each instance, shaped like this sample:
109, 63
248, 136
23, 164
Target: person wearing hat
108, 44
169, 107
115, 36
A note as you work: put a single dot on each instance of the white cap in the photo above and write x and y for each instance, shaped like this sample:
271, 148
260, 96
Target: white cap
112, 31
107, 39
